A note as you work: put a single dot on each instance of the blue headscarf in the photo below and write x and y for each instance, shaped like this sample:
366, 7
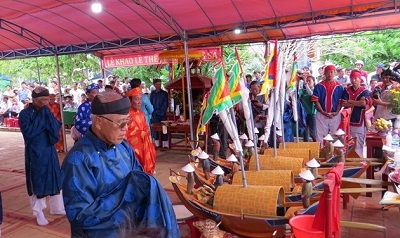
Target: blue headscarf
92, 87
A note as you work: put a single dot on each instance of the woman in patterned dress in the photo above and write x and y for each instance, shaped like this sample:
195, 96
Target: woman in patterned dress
138, 134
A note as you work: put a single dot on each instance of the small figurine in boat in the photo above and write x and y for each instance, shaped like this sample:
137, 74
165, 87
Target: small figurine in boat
339, 152
341, 136
327, 151
243, 139
219, 179
234, 167
250, 148
313, 165
190, 178
306, 189
216, 146
205, 164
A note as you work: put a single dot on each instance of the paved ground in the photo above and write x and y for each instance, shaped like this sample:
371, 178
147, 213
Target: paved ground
19, 222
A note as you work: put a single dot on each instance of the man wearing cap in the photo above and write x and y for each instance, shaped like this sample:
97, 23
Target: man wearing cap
326, 96
359, 66
375, 75
104, 184
159, 99
82, 119
147, 107
356, 96
40, 130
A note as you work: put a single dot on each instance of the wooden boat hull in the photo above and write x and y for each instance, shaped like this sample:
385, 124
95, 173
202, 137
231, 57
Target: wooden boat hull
242, 225
201, 180
225, 165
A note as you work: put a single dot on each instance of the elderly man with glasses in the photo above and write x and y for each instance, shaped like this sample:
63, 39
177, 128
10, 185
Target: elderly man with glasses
104, 184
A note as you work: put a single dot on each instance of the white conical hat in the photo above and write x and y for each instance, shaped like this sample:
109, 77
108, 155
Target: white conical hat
338, 143
256, 130
243, 136
307, 175
249, 144
215, 136
339, 132
261, 137
328, 137
203, 155
188, 168
217, 171
313, 163
232, 158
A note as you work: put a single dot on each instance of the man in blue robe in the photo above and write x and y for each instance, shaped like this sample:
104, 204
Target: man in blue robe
104, 185
82, 120
40, 130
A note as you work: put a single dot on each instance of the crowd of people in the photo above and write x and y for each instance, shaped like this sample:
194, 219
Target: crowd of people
335, 98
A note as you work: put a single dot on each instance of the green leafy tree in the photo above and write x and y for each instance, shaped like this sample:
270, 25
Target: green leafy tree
371, 47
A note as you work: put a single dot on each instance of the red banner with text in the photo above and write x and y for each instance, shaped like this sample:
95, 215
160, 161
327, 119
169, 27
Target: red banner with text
151, 58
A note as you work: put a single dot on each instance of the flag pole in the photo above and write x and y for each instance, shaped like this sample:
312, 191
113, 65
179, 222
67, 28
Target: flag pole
189, 89
254, 136
233, 122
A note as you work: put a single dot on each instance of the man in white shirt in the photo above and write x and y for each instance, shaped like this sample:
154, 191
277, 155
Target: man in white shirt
76, 93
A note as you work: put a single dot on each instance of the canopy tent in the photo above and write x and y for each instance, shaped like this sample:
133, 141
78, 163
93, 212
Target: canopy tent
55, 27
48, 27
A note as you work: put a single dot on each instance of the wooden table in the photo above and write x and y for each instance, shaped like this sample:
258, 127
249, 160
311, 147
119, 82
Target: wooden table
176, 128
374, 144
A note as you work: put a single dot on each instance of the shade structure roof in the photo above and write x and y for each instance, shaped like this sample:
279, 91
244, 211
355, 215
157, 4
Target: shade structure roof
45, 27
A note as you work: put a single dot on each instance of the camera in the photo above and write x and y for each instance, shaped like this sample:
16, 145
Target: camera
376, 93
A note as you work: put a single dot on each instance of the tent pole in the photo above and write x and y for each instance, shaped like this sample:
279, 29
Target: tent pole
189, 87
60, 102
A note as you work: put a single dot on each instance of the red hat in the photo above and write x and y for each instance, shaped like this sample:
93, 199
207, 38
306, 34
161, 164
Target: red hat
134, 92
356, 74
329, 67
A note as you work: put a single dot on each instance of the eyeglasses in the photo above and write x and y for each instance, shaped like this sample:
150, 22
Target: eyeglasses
121, 124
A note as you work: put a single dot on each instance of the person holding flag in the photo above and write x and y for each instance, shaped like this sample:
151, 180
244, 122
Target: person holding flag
327, 96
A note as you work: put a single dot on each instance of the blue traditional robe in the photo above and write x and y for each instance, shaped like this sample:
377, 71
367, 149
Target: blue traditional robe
41, 132
82, 120
147, 108
104, 185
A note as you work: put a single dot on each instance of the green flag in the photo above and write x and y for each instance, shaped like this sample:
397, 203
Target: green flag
234, 83
219, 98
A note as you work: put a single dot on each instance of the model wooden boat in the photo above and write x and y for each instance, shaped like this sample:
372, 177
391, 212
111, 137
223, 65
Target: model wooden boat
225, 165
231, 207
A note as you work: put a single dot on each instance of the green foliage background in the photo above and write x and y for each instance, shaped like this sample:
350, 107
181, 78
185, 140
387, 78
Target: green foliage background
371, 47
